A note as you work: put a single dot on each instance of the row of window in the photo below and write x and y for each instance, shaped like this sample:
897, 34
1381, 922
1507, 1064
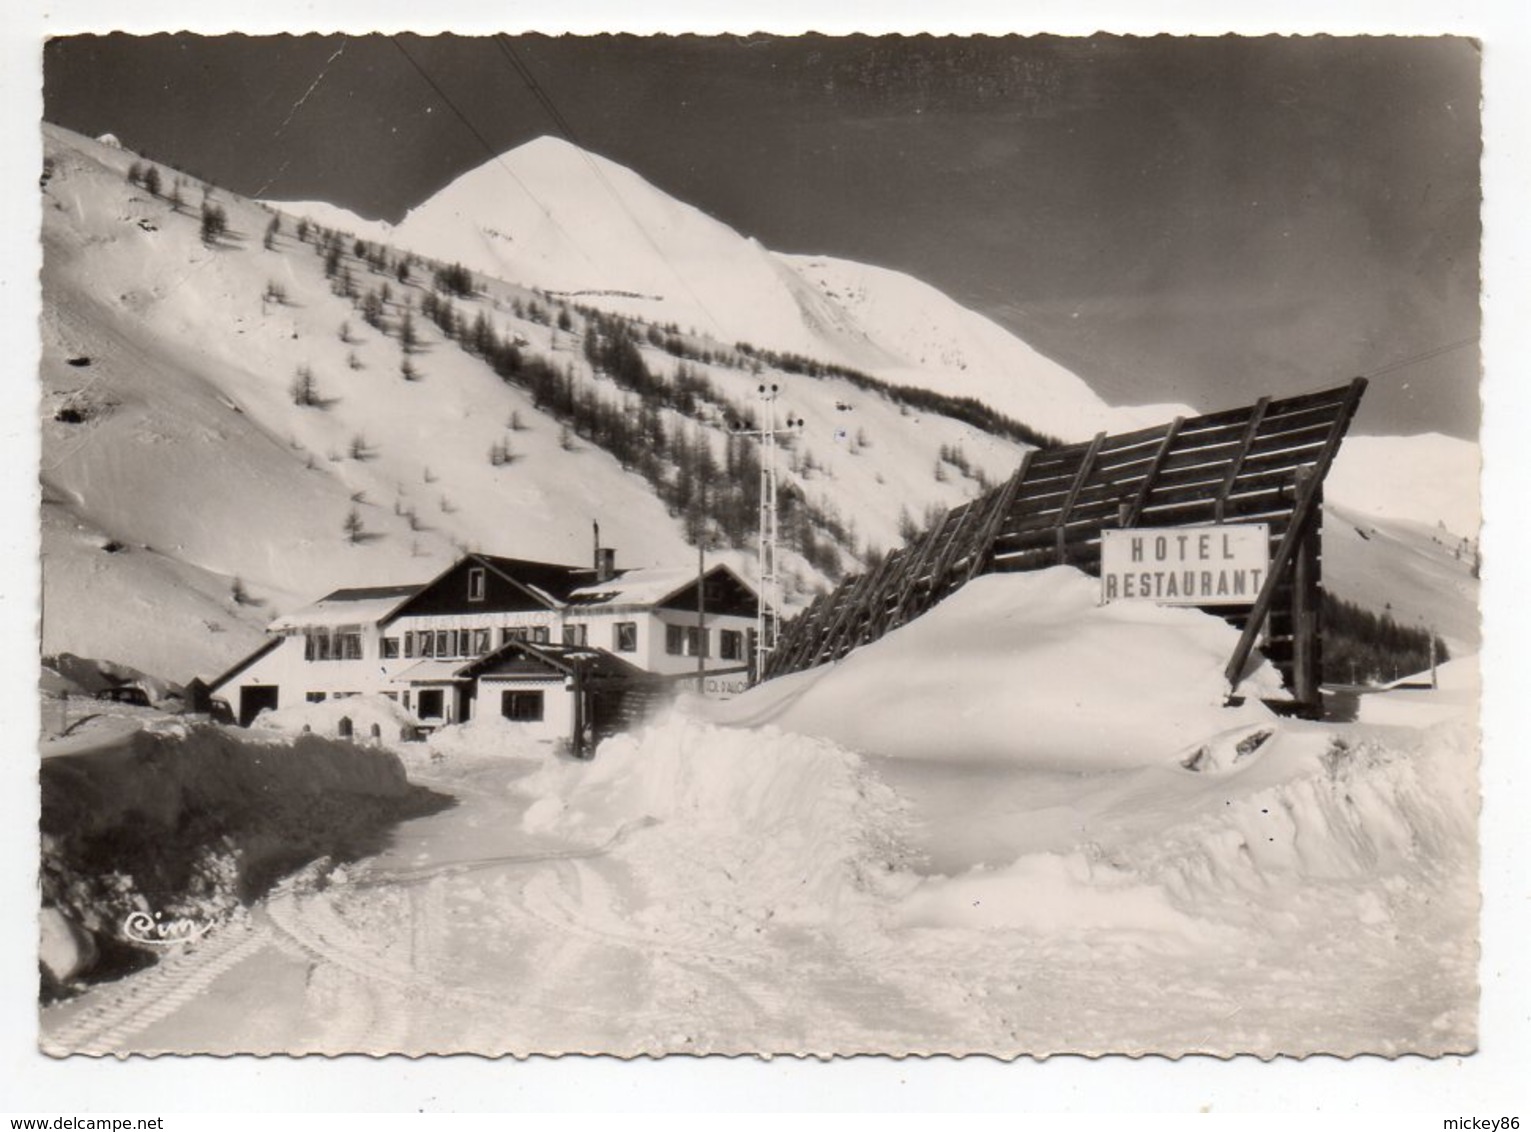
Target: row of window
321, 645
465, 644
520, 706
693, 640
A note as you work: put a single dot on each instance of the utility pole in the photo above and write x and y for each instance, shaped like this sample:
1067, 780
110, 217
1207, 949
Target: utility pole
768, 617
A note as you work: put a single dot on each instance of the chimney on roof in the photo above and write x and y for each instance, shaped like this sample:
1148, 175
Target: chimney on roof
605, 558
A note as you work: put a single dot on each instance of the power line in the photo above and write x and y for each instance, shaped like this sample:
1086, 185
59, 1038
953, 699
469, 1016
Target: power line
1422, 356
562, 125
489, 149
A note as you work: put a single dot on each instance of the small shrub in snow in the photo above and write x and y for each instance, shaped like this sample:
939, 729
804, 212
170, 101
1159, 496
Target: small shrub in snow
215, 223
305, 390
352, 526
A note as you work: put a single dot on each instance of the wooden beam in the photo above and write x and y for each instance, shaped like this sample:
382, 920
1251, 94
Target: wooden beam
1307, 494
1306, 658
1135, 510
998, 519
1236, 465
1086, 465
924, 561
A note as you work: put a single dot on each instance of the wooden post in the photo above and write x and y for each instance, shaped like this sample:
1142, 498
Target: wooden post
578, 743
1301, 509
1306, 658
701, 618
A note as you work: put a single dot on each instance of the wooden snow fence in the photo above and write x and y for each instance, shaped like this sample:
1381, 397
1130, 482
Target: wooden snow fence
1263, 463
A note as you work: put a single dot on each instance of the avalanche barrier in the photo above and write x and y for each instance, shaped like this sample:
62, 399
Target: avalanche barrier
1263, 463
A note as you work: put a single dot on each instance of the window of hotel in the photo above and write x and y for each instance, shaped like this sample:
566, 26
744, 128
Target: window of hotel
685, 640
523, 707
731, 644
574, 634
540, 635
431, 703
624, 636
427, 644
443, 645
390, 650
476, 584
480, 642
314, 697
349, 646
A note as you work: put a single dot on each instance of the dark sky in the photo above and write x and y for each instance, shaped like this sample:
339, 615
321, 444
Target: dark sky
1174, 219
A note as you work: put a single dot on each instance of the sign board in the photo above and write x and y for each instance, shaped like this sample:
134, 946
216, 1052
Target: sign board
1216, 565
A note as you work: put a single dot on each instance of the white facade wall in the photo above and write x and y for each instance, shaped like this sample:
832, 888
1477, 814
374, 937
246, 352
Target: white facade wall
298, 678
557, 699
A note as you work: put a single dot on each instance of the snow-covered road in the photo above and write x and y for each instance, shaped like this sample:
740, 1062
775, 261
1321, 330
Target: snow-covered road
489, 928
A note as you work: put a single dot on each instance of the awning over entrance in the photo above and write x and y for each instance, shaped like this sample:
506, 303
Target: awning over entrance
432, 672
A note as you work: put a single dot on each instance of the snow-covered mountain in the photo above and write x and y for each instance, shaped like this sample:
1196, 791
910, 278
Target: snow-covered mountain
551, 215
188, 498
333, 216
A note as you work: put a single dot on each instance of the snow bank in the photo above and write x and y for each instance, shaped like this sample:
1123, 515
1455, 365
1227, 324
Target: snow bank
1027, 669
1047, 893
1368, 817
192, 824
490, 738
1411, 702
726, 825
1310, 825
324, 718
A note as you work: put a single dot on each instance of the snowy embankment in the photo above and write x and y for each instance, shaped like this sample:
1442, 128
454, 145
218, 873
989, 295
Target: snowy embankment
1022, 669
1038, 783
738, 829
190, 821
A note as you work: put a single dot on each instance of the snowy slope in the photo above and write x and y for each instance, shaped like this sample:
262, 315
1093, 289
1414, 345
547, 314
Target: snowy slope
181, 434
177, 431
934, 343
1428, 479
1419, 575
550, 214
333, 216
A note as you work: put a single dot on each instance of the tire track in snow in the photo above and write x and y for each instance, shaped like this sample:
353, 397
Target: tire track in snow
140, 1001
690, 983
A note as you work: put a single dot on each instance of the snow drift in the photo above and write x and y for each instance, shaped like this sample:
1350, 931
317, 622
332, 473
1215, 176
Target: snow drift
740, 827
1023, 669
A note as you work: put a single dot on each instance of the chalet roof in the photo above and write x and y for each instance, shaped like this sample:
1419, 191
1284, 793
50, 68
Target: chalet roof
223, 678
652, 585
595, 664
361, 606
551, 579
642, 586
431, 671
